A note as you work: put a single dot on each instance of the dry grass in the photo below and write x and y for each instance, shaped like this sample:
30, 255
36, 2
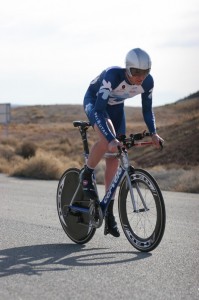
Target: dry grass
42, 166
177, 179
188, 181
39, 167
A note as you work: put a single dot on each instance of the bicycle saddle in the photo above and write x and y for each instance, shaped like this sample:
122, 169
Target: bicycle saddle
81, 124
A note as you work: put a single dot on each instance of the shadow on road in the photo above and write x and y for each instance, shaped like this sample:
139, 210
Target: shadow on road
37, 259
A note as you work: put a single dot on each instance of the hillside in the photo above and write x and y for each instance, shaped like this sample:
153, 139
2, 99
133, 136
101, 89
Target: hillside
177, 123
42, 143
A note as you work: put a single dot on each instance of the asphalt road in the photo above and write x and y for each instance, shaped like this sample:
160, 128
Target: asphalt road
38, 261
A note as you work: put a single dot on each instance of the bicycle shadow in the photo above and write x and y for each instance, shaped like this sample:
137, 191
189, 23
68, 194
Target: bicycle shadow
37, 259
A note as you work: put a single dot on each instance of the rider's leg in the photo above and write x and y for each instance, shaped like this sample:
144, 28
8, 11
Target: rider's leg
97, 151
110, 223
96, 154
111, 169
117, 117
100, 147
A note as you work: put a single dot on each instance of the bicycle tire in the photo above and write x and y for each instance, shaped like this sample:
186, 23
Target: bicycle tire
143, 228
76, 226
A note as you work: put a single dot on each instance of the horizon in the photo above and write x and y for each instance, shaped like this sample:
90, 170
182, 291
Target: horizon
126, 105
190, 96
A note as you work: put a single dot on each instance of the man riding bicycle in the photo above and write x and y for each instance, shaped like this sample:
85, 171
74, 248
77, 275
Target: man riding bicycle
104, 107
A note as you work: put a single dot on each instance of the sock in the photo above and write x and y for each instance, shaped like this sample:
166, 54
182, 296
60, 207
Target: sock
88, 170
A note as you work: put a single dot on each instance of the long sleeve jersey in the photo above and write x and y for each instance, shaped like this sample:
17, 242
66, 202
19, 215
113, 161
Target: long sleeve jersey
111, 88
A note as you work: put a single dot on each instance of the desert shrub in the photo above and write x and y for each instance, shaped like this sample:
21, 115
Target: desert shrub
61, 149
26, 149
177, 180
41, 166
65, 140
4, 166
188, 182
9, 141
7, 167
6, 152
67, 163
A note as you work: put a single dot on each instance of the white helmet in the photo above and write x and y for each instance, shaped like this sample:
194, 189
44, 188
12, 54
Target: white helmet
137, 59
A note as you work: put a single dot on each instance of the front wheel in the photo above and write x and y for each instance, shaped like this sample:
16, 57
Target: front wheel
144, 222
77, 226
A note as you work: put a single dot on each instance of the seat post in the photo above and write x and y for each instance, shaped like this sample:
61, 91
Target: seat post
83, 127
83, 132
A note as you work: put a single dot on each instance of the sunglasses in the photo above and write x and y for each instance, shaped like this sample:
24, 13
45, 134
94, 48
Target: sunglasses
139, 72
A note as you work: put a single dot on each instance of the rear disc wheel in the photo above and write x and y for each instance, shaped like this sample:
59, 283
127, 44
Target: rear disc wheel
76, 225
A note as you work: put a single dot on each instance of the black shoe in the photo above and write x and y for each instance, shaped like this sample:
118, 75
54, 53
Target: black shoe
87, 185
111, 226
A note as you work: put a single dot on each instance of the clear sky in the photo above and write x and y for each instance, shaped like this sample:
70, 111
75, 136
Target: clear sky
51, 50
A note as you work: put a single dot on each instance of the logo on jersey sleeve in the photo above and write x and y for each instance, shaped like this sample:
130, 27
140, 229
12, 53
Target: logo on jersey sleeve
105, 89
150, 94
88, 108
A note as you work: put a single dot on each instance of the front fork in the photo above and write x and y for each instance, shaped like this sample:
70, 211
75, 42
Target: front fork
129, 173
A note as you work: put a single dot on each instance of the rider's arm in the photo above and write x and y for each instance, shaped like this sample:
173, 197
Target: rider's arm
147, 110
100, 109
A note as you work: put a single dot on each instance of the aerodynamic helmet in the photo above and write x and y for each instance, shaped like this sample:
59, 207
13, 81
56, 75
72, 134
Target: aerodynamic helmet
137, 59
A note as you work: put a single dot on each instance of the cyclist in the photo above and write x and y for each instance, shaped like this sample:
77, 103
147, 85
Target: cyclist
104, 107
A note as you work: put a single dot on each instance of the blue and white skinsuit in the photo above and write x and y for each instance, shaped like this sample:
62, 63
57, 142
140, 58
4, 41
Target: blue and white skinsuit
105, 99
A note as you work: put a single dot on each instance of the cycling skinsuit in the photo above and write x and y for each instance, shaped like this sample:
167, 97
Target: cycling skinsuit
105, 99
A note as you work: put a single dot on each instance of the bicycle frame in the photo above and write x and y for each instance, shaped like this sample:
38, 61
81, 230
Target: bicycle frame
123, 171
107, 197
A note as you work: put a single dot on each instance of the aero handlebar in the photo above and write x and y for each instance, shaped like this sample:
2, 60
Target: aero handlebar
130, 141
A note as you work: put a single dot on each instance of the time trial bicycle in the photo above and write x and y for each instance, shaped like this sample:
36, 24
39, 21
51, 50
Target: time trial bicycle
141, 205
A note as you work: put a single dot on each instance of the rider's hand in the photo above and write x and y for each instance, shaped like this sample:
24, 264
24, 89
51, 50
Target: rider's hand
112, 146
157, 140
